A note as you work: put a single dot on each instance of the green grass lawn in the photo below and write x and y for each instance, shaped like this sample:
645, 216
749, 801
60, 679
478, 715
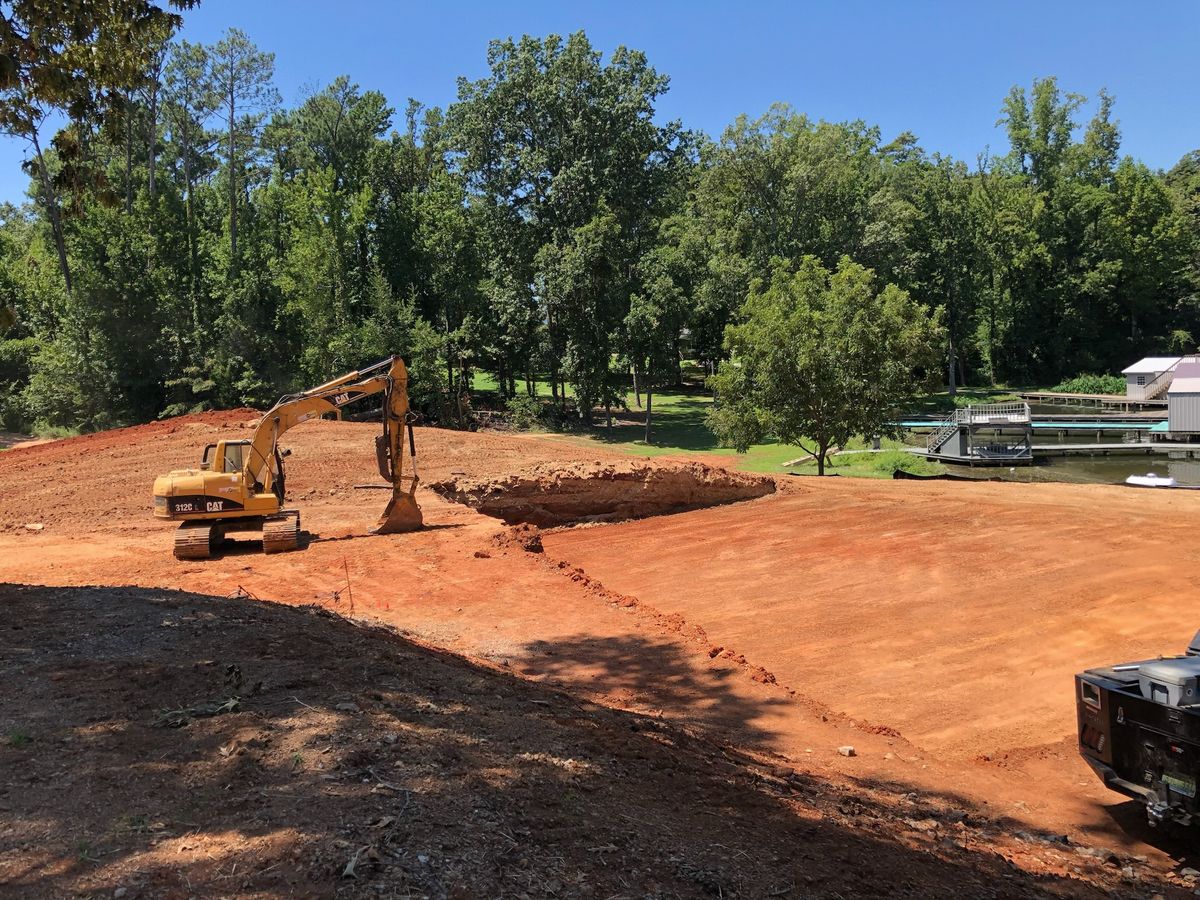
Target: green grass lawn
942, 402
678, 428
484, 382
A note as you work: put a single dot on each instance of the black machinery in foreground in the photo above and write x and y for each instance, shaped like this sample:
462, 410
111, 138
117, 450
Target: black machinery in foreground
1139, 729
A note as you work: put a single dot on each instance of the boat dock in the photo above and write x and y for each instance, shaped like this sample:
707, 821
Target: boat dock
986, 434
1104, 401
1043, 451
1120, 426
1172, 449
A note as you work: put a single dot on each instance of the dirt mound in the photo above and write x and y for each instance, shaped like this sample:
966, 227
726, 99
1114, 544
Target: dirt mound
241, 417
199, 746
524, 537
555, 494
103, 480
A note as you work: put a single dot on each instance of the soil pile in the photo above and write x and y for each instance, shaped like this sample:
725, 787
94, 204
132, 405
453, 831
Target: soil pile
168, 744
522, 537
550, 494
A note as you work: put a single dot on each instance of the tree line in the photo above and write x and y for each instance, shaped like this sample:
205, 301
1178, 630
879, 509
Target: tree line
188, 242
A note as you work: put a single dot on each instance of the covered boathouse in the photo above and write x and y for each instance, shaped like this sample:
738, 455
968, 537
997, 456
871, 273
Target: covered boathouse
986, 434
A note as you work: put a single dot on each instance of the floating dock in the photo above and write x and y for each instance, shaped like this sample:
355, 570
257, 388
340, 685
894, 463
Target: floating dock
1095, 425
1104, 401
986, 434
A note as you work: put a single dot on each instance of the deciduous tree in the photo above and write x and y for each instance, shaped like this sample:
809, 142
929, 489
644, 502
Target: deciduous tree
822, 356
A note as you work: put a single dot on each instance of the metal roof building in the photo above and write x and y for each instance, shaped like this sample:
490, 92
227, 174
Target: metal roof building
1148, 378
1183, 398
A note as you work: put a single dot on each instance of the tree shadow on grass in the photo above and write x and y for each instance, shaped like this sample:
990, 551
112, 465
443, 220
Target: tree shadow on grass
679, 424
313, 756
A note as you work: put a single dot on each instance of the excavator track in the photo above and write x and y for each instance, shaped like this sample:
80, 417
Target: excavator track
281, 533
194, 540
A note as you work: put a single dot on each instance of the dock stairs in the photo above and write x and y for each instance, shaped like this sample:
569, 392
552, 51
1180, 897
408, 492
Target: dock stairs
1156, 388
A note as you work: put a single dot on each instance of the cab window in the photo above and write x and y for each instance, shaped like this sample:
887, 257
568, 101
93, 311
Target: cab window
233, 459
206, 460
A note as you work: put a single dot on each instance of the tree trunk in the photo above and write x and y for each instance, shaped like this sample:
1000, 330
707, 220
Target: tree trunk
649, 409
233, 261
128, 155
152, 148
450, 391
608, 414
461, 390
637, 393
52, 209
822, 449
190, 216
992, 327
953, 371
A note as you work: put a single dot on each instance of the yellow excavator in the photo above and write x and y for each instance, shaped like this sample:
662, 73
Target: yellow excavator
240, 484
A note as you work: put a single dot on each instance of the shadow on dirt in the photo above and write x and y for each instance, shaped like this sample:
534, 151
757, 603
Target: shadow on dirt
251, 546
652, 675
1129, 817
175, 744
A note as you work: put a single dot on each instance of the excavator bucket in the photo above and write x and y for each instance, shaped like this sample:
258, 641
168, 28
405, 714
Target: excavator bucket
401, 514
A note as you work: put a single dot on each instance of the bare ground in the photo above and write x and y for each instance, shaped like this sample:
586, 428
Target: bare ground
169, 744
760, 636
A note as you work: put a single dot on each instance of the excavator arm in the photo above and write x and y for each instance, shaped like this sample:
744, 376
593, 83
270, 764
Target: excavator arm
264, 467
401, 513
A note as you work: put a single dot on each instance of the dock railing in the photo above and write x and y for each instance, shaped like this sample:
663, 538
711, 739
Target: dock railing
1016, 413
1160, 383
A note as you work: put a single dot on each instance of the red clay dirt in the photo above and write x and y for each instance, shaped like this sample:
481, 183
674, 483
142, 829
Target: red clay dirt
554, 494
934, 627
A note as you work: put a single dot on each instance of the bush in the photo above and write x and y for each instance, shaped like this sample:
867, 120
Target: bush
1092, 384
523, 411
55, 432
889, 461
16, 363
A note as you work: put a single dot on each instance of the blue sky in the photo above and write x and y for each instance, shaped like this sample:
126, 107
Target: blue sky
939, 69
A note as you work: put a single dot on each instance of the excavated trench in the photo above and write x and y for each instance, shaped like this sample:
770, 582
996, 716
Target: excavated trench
550, 495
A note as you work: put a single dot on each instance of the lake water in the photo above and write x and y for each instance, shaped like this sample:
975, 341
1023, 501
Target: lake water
1085, 469
1090, 469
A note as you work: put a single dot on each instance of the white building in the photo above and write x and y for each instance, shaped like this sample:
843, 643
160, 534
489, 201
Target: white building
1183, 398
1149, 378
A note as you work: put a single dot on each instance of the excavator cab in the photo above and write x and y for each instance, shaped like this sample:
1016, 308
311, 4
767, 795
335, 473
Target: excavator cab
229, 457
